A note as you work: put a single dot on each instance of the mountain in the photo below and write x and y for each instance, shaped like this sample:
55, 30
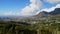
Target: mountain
41, 14
55, 12
45, 14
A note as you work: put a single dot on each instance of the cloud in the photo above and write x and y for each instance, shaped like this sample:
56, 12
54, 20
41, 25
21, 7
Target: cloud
53, 1
36, 5
51, 9
57, 2
9, 13
32, 8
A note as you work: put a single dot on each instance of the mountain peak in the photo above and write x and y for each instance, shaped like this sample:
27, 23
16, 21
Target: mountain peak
55, 12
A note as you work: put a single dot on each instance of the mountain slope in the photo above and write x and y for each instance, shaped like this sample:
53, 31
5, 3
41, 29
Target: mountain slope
55, 12
44, 13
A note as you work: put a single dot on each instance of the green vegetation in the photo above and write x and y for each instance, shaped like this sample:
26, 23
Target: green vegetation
51, 25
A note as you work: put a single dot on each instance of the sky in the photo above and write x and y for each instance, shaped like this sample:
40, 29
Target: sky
27, 7
13, 5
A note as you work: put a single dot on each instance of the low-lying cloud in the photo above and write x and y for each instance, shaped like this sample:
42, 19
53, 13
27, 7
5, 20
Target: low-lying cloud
57, 2
51, 9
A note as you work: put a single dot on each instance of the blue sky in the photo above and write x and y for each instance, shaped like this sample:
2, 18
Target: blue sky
15, 5
12, 5
24, 6
47, 5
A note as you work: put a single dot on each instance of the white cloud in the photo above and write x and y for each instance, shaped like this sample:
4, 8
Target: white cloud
52, 1
9, 13
51, 9
58, 6
32, 8
35, 6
